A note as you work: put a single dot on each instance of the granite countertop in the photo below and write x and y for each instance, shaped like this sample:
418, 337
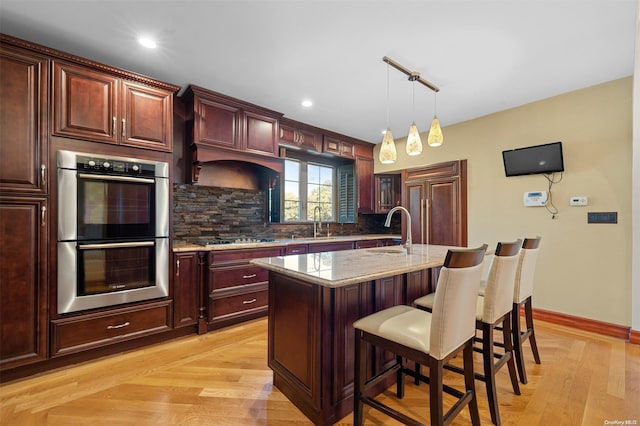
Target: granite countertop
340, 268
185, 247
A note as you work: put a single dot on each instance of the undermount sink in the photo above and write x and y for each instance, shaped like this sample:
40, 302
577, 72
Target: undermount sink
388, 251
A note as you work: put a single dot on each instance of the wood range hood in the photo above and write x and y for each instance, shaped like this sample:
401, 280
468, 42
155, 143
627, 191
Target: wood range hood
232, 169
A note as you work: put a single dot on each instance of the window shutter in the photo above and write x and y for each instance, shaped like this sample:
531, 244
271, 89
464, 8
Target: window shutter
346, 194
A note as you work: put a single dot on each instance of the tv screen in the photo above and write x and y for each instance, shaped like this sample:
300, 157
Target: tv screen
532, 160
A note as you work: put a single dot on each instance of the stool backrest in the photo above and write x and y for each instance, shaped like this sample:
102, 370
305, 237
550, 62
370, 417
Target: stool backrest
498, 294
526, 269
453, 317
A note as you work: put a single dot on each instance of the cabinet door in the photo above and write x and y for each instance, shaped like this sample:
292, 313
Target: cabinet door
260, 134
300, 138
23, 121
364, 173
147, 118
416, 193
23, 276
387, 192
216, 124
186, 289
84, 103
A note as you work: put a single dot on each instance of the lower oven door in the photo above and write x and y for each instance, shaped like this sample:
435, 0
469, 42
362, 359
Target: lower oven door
95, 275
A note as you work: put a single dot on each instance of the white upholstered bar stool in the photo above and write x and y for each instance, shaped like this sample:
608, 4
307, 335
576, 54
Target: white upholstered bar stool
430, 339
493, 311
522, 294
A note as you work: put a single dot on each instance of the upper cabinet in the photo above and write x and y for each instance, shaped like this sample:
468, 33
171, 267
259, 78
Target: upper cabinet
23, 121
339, 147
91, 104
387, 192
223, 122
297, 136
219, 127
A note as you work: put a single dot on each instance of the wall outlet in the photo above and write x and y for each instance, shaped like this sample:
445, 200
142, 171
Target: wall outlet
578, 201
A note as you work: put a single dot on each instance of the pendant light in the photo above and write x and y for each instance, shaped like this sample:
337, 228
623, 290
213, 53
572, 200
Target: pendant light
388, 153
435, 132
414, 144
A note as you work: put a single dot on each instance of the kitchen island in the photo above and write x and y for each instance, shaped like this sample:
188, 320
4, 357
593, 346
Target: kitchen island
314, 300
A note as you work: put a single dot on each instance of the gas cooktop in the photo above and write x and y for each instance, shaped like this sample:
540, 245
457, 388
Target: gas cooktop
242, 240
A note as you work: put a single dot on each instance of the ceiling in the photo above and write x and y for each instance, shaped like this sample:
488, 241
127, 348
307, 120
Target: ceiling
485, 56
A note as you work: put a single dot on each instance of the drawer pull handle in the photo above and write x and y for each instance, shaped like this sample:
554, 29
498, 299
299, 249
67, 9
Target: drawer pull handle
295, 251
248, 302
113, 327
246, 277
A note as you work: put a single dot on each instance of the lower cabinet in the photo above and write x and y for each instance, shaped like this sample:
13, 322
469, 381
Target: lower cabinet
83, 332
187, 287
237, 290
23, 280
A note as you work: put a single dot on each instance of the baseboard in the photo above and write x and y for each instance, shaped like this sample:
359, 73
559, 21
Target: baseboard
608, 329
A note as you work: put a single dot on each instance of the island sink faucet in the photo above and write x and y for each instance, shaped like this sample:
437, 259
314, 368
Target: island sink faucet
387, 223
317, 224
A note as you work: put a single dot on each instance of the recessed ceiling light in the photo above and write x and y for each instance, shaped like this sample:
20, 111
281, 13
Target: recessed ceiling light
147, 42
307, 103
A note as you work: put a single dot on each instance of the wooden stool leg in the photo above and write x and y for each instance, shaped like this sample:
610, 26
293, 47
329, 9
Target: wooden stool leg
517, 342
470, 383
490, 371
359, 378
436, 408
399, 379
528, 312
508, 348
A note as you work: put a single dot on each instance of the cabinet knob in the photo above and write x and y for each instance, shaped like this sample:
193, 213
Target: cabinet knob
178, 268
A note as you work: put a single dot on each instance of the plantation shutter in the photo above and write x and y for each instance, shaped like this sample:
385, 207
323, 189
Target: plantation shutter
346, 194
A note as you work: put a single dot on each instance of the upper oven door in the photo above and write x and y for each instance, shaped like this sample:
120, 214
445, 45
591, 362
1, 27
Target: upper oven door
115, 207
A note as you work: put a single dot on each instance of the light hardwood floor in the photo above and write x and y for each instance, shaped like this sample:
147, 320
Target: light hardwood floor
222, 378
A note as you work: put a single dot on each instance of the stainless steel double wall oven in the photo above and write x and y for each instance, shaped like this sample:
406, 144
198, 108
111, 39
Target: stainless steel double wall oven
113, 230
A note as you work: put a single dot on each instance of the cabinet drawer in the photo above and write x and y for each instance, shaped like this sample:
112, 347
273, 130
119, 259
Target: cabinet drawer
239, 303
241, 256
237, 275
297, 249
93, 330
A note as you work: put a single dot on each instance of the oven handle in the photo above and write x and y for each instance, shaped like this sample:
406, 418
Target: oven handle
115, 245
117, 178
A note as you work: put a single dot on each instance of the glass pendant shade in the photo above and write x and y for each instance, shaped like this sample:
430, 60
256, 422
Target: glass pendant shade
414, 144
388, 149
435, 133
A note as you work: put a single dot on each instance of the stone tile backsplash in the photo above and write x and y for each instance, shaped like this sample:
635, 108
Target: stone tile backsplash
204, 213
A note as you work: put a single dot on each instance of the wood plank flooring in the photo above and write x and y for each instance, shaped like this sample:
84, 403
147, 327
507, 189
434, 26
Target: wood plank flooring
222, 378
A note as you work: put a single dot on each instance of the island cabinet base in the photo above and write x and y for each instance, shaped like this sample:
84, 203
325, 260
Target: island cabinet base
311, 340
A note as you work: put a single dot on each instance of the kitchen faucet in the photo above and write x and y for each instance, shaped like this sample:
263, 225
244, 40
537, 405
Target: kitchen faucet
317, 224
387, 223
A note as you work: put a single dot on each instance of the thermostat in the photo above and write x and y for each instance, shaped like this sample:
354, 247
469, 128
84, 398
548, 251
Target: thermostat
535, 199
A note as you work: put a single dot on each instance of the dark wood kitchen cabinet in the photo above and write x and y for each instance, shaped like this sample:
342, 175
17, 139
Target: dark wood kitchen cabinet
237, 290
24, 228
24, 214
298, 136
387, 193
364, 175
188, 269
339, 147
24, 83
219, 121
436, 197
90, 104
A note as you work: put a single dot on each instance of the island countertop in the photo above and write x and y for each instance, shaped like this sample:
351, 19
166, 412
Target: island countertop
341, 268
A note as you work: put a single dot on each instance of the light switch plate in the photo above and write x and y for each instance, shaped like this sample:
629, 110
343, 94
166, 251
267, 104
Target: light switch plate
578, 201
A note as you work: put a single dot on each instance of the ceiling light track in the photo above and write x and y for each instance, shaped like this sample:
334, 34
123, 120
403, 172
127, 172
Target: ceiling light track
413, 75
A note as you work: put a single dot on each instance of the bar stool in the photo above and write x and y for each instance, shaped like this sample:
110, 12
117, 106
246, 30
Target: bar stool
427, 338
493, 311
522, 297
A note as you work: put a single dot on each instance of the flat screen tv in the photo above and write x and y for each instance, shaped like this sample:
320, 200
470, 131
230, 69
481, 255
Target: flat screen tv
531, 160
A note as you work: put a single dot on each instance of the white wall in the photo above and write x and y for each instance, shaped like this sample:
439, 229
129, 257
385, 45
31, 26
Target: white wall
584, 269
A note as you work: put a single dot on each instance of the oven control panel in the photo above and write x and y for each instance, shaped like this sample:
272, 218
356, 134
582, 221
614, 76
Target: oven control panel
113, 166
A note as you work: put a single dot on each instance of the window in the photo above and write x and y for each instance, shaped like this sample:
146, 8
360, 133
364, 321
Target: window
308, 186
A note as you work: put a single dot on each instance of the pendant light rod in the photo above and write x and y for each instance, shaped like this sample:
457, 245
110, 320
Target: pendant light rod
413, 75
